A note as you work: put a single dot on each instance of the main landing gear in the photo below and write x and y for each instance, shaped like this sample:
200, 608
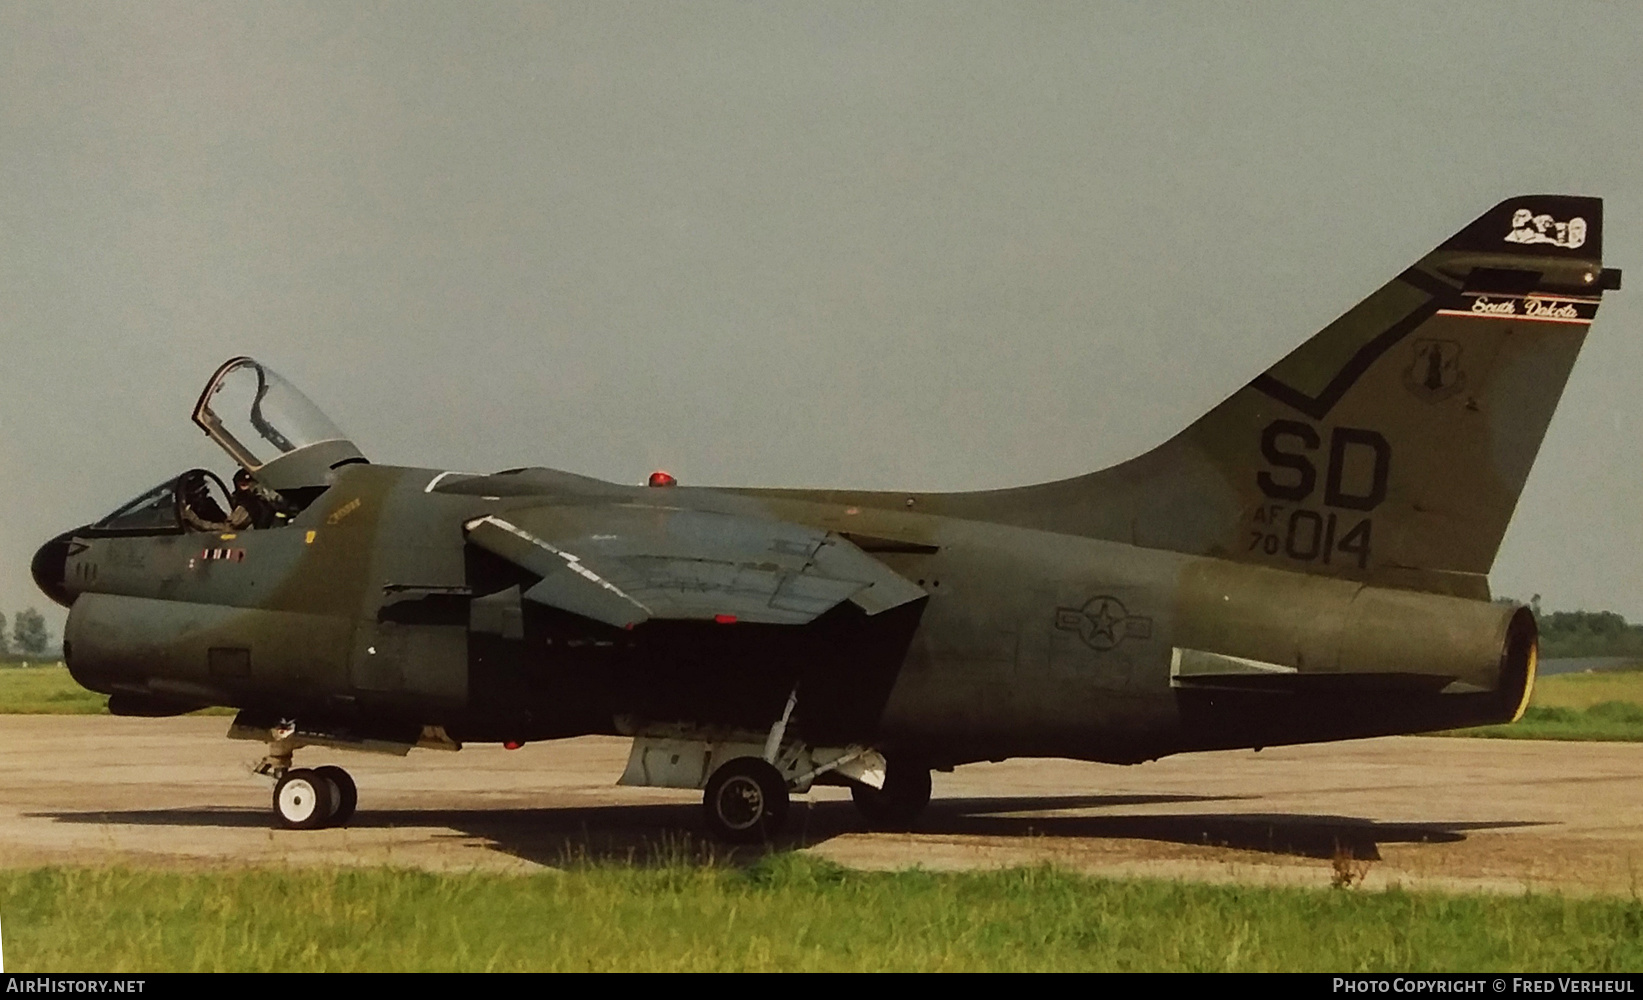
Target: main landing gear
746, 798
746, 801
747, 777
313, 799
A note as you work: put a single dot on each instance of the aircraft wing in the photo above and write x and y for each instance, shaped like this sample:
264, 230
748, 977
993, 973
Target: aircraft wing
623, 564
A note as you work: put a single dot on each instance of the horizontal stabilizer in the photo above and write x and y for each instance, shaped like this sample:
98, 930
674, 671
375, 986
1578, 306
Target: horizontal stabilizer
1196, 668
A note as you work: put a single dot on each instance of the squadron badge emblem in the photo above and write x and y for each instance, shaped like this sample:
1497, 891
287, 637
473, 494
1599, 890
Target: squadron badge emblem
1434, 372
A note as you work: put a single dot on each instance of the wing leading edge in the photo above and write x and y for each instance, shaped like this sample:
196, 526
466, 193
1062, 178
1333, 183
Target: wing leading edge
623, 564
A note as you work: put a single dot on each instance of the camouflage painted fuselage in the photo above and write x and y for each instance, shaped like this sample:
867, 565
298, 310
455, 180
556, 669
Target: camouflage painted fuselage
1305, 562
371, 614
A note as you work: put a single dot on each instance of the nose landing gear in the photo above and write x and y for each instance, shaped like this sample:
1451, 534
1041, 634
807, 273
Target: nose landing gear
303, 800
347, 793
314, 799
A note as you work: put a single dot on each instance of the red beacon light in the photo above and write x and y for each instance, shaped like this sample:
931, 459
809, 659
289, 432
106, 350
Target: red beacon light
660, 478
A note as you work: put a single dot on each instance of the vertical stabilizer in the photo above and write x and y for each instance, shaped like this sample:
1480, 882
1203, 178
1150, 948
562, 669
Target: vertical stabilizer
1393, 445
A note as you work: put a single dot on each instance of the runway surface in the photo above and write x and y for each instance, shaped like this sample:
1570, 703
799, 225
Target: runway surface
1491, 815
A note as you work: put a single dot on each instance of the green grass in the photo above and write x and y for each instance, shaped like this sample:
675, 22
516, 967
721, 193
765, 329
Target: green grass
1598, 706
1609, 721
1582, 691
787, 913
47, 689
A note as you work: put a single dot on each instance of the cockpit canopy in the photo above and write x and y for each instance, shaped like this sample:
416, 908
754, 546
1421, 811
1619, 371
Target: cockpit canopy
270, 428
287, 445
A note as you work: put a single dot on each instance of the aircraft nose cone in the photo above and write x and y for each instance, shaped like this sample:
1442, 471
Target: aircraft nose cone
49, 566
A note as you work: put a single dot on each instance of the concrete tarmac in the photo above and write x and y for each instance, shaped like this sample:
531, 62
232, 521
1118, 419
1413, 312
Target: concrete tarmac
1467, 814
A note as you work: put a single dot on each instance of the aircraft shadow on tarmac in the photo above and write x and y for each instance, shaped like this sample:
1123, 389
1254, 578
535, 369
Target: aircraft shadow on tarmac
672, 832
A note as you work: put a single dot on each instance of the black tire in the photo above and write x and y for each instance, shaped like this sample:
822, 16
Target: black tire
346, 796
303, 800
745, 801
899, 804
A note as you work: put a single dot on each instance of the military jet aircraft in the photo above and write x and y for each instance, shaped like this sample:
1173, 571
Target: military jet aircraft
1306, 562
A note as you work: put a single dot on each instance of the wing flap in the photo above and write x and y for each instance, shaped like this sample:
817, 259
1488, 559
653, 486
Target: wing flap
566, 583
623, 564
883, 589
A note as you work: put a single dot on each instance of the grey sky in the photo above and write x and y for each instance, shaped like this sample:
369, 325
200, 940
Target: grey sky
933, 246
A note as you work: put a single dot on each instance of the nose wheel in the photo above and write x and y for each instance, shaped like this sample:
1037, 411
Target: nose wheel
347, 796
746, 801
313, 799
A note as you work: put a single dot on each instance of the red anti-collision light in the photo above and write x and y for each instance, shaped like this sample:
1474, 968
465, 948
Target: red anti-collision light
660, 478
513, 744
725, 619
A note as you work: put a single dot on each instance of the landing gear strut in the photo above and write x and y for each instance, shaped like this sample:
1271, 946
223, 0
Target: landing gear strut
898, 805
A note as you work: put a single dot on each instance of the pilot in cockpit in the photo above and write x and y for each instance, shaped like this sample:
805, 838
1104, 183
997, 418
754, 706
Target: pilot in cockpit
252, 505
200, 509
255, 505
285, 448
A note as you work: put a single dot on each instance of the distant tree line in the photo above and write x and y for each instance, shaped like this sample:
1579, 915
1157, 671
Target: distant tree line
1588, 633
27, 638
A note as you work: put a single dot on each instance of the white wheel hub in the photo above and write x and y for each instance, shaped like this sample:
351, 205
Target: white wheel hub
298, 800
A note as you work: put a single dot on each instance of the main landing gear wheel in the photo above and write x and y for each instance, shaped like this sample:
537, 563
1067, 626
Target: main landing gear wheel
303, 800
345, 797
898, 805
746, 801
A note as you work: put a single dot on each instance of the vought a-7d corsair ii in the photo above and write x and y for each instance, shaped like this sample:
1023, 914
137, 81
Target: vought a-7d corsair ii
1306, 562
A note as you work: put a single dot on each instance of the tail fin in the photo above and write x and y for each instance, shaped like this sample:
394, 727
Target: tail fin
1393, 445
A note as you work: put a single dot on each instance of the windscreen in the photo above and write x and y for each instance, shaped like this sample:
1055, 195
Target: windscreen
155, 510
258, 416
